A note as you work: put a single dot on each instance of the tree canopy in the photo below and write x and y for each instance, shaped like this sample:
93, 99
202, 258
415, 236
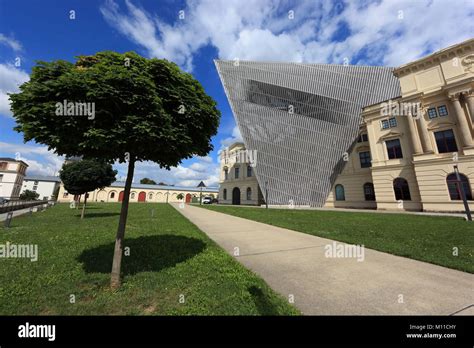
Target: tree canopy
147, 181
29, 195
145, 108
86, 175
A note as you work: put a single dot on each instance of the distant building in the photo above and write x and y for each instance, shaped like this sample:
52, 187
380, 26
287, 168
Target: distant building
12, 173
142, 193
45, 186
238, 182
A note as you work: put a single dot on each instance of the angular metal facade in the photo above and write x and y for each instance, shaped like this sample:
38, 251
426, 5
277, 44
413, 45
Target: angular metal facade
301, 119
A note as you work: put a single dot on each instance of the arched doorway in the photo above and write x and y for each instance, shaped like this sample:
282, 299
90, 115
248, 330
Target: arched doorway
188, 198
236, 196
121, 196
142, 196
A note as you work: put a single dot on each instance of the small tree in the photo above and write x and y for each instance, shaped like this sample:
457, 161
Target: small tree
147, 181
144, 110
29, 195
86, 175
180, 196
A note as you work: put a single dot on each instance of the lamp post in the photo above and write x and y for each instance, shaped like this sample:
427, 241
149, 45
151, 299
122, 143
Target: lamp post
266, 194
201, 185
461, 193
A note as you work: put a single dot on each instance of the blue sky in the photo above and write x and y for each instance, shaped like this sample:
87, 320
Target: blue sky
193, 33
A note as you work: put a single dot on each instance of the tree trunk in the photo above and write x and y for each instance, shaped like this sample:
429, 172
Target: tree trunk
78, 201
84, 206
118, 251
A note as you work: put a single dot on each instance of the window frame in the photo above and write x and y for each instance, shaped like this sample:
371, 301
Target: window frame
369, 197
446, 148
402, 195
445, 110
395, 153
336, 196
366, 164
430, 115
465, 184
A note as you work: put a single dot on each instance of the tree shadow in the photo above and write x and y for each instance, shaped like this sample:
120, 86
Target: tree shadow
96, 215
147, 254
264, 306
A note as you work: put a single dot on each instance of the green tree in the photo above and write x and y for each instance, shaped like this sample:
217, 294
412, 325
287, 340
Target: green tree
147, 181
180, 196
29, 195
144, 110
86, 175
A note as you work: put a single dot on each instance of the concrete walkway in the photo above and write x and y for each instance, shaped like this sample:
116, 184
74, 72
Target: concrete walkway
294, 264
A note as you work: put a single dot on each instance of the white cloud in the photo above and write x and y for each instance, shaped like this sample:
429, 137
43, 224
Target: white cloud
10, 79
40, 160
382, 32
11, 42
235, 137
203, 168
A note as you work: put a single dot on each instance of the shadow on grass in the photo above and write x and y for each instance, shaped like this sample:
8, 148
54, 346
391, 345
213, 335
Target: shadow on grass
96, 215
147, 254
264, 306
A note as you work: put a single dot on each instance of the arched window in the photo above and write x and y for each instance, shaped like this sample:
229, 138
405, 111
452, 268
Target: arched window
225, 194
340, 196
369, 192
249, 194
112, 195
150, 195
401, 189
132, 195
454, 187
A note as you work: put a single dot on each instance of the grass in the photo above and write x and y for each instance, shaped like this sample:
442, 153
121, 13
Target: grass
426, 238
170, 259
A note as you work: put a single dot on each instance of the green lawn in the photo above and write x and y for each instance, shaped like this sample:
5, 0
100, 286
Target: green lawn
169, 257
426, 238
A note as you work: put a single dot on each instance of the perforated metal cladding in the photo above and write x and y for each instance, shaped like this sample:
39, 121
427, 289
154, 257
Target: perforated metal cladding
301, 119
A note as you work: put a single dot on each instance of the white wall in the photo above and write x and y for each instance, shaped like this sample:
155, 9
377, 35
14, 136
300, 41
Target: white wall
45, 189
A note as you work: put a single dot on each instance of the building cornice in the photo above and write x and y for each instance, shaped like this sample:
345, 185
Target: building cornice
437, 57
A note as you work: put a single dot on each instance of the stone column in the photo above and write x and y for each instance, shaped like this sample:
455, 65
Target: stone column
463, 125
414, 135
425, 135
469, 97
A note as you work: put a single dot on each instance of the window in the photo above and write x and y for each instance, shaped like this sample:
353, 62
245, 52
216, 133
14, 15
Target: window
112, 195
132, 195
150, 195
365, 161
394, 149
3, 165
340, 193
225, 194
401, 189
237, 170
363, 138
65, 194
445, 141
392, 122
369, 192
249, 194
453, 187
249, 171
432, 113
35, 183
442, 110
35, 187
226, 174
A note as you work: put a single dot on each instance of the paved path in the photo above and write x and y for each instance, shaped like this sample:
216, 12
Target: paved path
294, 263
